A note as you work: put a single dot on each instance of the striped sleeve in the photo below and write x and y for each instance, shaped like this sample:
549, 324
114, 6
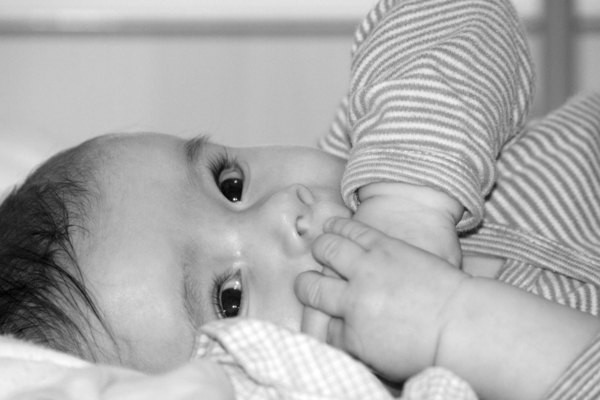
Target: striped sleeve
581, 381
437, 87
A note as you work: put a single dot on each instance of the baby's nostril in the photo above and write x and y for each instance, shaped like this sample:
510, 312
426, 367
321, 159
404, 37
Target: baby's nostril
301, 226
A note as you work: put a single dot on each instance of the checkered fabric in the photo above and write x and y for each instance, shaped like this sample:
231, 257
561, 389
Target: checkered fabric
265, 361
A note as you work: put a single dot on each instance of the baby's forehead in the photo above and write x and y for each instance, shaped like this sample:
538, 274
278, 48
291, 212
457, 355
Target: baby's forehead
112, 154
97, 157
108, 145
114, 145
92, 154
127, 168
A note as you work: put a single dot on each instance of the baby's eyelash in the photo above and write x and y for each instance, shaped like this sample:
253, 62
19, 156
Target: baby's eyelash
220, 162
227, 301
217, 282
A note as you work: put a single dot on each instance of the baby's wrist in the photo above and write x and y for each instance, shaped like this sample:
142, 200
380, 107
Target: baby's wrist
414, 198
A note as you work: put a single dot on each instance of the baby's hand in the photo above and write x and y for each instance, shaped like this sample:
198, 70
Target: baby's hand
419, 215
389, 305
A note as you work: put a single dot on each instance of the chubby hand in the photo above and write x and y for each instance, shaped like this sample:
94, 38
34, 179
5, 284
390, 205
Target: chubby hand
419, 215
387, 304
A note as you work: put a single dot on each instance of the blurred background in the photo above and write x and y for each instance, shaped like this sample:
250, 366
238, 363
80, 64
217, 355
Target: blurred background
243, 71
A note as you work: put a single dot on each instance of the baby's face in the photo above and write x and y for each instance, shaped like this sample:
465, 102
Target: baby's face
189, 231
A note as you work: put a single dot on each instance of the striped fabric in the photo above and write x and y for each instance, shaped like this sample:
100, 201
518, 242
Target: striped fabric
580, 381
439, 94
544, 212
544, 218
465, 74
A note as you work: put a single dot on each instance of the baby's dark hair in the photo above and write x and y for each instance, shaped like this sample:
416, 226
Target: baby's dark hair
43, 298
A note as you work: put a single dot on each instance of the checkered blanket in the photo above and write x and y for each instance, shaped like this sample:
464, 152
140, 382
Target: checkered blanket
267, 362
261, 360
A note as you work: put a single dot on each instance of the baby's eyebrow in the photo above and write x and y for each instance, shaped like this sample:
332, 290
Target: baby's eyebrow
193, 148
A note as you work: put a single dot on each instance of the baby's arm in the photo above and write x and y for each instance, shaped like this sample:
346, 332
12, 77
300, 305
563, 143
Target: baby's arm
400, 309
436, 89
509, 343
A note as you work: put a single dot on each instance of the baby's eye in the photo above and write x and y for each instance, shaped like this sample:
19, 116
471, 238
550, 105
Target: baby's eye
228, 296
229, 177
231, 185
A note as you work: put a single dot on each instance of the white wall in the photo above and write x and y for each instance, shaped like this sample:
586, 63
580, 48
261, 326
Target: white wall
58, 91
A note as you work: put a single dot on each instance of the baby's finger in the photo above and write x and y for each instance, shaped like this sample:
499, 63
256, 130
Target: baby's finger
354, 230
335, 333
320, 292
338, 253
343, 337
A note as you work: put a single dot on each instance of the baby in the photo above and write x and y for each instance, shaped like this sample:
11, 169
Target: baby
171, 234
119, 249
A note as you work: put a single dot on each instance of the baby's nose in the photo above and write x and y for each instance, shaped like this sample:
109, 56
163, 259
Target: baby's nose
309, 225
295, 215
285, 215
305, 195
307, 198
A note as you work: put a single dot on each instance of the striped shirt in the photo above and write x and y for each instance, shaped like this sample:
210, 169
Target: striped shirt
439, 95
